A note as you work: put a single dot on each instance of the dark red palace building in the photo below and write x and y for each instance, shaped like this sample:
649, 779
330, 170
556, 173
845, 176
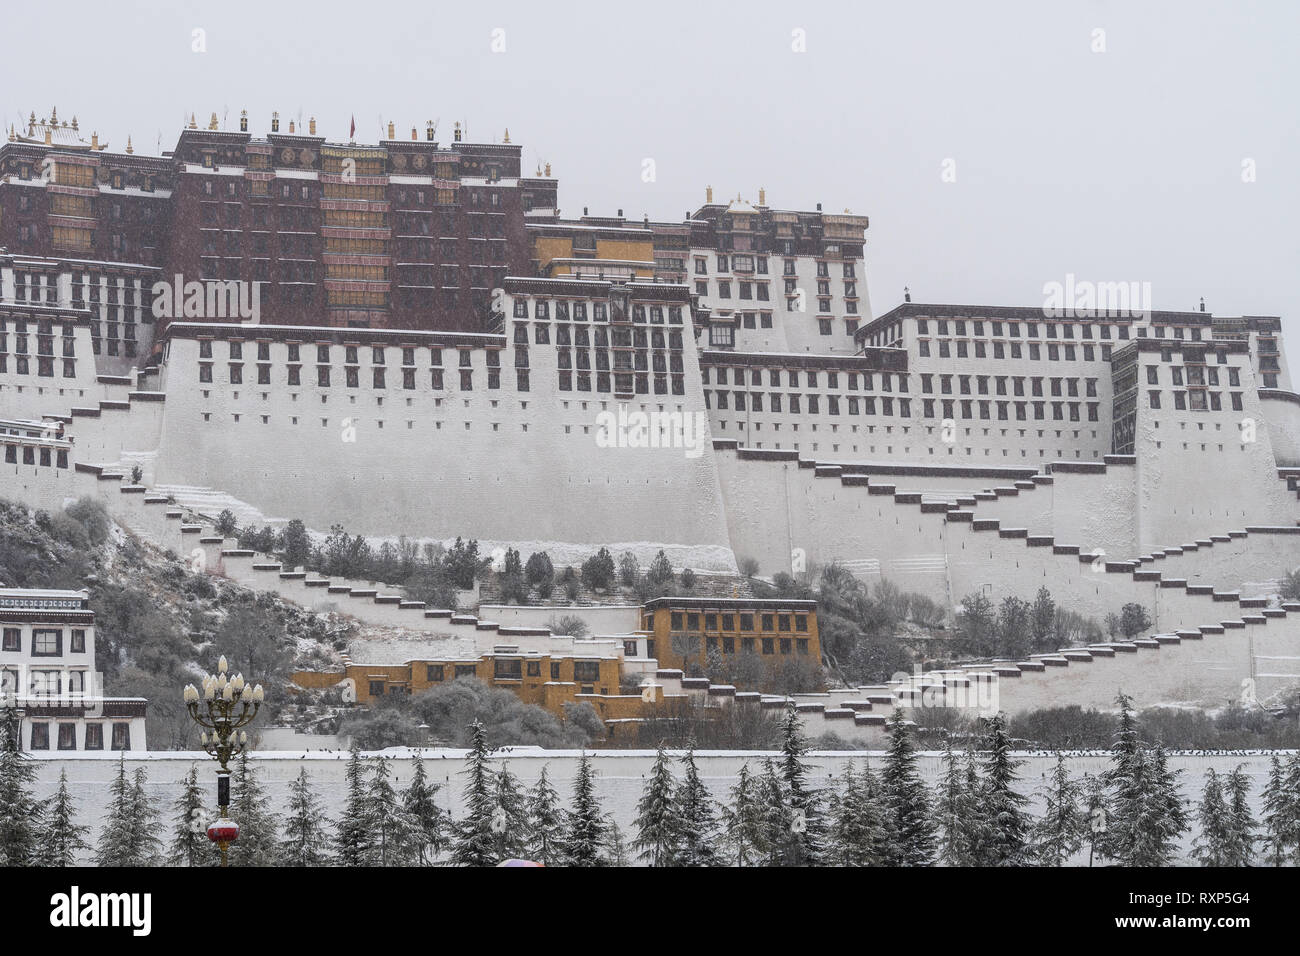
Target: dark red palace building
408, 233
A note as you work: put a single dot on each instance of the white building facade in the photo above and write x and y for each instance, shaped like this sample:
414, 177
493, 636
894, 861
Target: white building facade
48, 677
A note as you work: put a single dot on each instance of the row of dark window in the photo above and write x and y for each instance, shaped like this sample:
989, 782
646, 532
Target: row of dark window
711, 621
46, 642
67, 736
44, 366
33, 456
577, 311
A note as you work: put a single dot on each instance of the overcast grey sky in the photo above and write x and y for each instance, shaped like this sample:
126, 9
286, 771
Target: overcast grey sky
1118, 165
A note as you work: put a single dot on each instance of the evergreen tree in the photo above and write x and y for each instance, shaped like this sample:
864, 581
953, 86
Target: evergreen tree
544, 823
1212, 845
515, 840
61, 839
956, 809
1061, 831
1096, 805
1241, 821
907, 807
134, 817
1003, 806
855, 824
878, 832
657, 821
1042, 618
744, 821
352, 842
393, 831
1148, 814
697, 822
474, 843
1281, 838
144, 822
776, 814
249, 807
114, 847
305, 841
660, 571
806, 839
585, 828
1127, 743
429, 820
616, 846
190, 845
19, 813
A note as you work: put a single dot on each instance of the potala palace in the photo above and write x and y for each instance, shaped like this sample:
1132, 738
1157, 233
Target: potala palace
409, 339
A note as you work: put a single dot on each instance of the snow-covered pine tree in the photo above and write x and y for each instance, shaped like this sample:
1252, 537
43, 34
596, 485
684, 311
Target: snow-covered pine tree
545, 824
806, 848
61, 839
697, 822
1174, 821
658, 824
420, 800
474, 843
1097, 813
1212, 846
114, 847
1061, 830
776, 814
352, 841
744, 822
1281, 837
615, 845
305, 841
258, 841
877, 824
511, 799
906, 804
190, 845
145, 818
851, 824
956, 810
585, 829
19, 812
1148, 814
1237, 794
1004, 807
393, 831
1127, 743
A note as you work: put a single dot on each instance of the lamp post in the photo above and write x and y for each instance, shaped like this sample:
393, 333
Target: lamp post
222, 708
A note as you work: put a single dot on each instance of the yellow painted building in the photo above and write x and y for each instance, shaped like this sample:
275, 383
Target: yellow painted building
593, 247
681, 629
677, 632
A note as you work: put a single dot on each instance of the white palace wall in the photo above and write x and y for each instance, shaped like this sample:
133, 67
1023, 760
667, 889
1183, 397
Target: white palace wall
497, 465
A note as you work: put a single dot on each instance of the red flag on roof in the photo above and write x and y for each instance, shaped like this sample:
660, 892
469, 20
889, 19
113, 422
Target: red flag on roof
352, 133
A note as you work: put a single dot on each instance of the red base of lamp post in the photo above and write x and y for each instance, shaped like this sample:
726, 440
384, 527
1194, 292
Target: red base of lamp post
223, 832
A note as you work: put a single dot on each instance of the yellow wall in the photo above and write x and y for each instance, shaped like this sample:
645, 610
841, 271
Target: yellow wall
416, 677
546, 248
730, 641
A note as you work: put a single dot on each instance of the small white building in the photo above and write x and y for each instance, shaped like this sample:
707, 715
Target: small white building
47, 671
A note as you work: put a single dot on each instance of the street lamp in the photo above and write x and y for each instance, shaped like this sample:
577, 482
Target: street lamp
223, 707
